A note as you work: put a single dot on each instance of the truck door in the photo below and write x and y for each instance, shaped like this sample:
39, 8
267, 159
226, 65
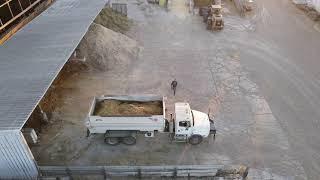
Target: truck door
184, 127
183, 131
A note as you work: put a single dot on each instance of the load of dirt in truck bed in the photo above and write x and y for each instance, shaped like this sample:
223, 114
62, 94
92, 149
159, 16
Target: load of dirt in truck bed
127, 108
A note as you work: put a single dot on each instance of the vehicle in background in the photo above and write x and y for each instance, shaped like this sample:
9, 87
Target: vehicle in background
215, 18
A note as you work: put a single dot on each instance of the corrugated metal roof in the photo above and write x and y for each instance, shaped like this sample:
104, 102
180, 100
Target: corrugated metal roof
30, 61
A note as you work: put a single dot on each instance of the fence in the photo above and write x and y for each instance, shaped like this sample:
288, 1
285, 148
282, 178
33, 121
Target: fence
239, 172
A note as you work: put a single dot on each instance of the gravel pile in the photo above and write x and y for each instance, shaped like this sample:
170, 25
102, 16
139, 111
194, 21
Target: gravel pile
113, 20
105, 49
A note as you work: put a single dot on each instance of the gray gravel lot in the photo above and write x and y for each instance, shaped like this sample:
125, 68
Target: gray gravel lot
259, 77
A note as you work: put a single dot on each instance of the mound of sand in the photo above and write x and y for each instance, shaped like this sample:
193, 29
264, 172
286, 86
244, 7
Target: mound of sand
117, 108
105, 49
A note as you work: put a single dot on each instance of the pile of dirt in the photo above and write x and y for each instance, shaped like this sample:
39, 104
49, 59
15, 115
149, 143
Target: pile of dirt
54, 95
113, 20
117, 108
105, 49
202, 3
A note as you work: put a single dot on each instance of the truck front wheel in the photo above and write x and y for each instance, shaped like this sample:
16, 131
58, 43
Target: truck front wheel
112, 141
130, 140
195, 139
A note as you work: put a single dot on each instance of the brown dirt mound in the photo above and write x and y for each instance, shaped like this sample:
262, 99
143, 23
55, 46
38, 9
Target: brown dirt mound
202, 3
54, 96
113, 20
117, 108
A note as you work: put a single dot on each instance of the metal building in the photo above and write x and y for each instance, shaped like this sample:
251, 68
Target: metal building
29, 62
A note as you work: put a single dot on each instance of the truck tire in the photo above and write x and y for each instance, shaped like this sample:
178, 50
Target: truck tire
130, 140
112, 141
195, 139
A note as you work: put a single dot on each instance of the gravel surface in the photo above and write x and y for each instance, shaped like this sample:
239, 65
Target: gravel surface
259, 77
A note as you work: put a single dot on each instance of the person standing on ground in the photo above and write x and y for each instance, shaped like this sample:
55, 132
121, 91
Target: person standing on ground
174, 85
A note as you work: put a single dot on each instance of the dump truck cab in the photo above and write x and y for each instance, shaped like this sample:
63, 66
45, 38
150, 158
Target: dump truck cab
190, 125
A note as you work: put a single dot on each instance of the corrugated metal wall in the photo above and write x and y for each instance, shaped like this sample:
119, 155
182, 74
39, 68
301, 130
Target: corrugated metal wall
16, 160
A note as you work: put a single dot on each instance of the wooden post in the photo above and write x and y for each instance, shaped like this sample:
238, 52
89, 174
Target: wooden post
44, 117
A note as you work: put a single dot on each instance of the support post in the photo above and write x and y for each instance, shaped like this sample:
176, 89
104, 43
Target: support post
69, 173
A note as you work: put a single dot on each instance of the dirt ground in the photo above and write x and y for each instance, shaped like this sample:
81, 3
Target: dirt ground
233, 72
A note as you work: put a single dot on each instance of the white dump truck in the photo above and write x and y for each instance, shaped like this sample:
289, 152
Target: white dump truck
121, 118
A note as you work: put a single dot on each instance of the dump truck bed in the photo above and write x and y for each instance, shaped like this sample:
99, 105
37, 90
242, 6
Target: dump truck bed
140, 113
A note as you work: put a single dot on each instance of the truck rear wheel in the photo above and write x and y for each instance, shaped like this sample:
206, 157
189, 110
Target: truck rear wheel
112, 141
130, 140
195, 139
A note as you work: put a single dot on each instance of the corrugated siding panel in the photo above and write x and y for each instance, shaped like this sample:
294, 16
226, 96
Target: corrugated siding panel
16, 160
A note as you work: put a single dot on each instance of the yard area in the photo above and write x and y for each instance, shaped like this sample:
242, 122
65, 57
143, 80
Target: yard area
214, 71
